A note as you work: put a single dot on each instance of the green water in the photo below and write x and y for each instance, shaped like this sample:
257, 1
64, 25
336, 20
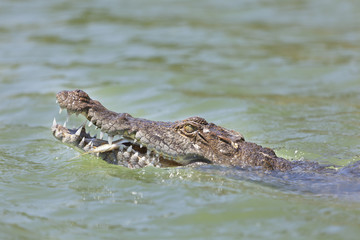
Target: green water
286, 74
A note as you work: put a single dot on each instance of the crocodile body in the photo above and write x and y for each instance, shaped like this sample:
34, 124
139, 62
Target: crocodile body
136, 142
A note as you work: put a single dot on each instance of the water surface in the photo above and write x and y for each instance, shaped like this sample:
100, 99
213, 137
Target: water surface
284, 73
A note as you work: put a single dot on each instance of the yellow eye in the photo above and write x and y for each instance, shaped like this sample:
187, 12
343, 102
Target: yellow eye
190, 128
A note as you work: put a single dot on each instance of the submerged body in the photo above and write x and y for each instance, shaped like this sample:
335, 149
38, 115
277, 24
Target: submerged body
188, 142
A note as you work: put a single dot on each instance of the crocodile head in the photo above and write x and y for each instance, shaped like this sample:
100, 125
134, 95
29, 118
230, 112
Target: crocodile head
136, 142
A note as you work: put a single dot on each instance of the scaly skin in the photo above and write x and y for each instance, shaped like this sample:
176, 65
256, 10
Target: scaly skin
144, 142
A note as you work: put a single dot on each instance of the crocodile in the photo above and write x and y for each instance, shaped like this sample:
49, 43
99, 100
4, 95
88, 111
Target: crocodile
136, 142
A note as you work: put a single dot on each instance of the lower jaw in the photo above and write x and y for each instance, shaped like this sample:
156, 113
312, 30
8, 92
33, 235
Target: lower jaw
120, 152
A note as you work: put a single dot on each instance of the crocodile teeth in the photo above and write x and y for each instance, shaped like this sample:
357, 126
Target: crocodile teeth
129, 149
82, 142
90, 124
78, 132
54, 123
67, 120
110, 139
88, 146
101, 135
60, 110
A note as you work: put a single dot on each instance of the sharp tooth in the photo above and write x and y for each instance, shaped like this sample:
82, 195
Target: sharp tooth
78, 132
60, 110
135, 140
67, 120
101, 135
90, 124
141, 145
110, 139
136, 154
54, 123
57, 101
129, 149
82, 142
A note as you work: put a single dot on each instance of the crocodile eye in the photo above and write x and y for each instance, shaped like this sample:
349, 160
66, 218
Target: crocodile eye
190, 128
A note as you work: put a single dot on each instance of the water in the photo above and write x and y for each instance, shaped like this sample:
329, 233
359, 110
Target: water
284, 73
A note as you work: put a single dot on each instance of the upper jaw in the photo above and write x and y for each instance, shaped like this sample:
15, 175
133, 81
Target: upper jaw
77, 101
121, 152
